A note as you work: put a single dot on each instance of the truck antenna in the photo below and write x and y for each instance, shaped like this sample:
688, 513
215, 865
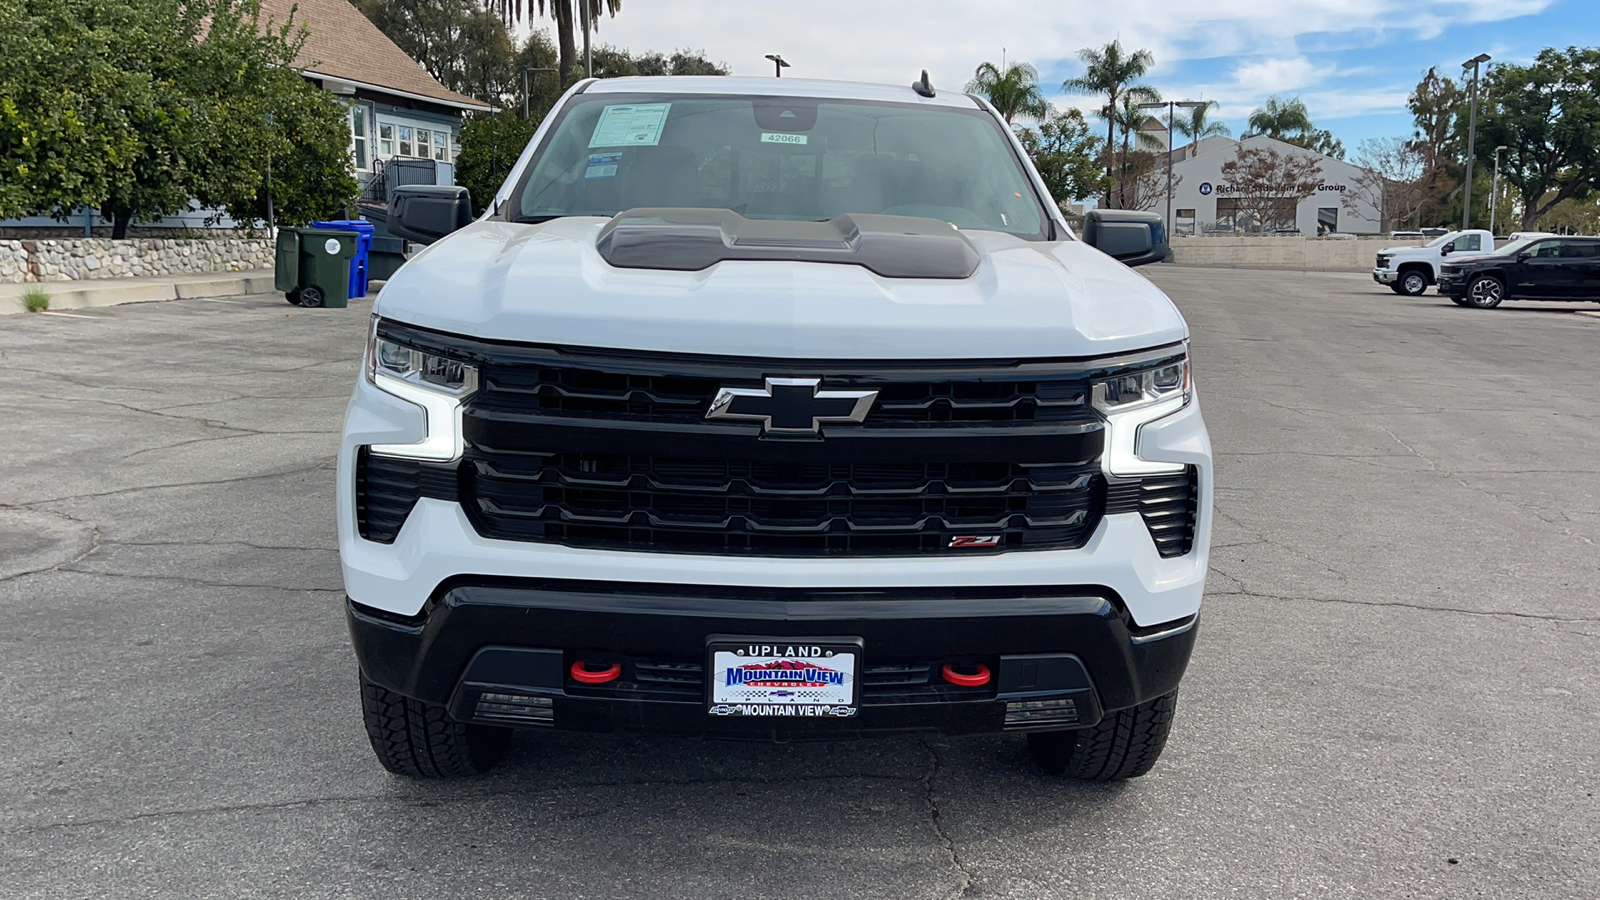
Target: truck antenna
923, 87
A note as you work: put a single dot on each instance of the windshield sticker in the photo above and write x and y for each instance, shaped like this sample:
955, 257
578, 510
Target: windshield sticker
602, 165
636, 125
768, 137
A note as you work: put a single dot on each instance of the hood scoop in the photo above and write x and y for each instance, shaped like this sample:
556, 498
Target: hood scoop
689, 240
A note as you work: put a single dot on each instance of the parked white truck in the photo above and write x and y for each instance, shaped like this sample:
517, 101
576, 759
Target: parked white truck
1410, 270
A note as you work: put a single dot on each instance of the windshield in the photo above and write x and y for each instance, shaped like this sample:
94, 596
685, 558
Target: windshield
1440, 239
779, 158
1515, 246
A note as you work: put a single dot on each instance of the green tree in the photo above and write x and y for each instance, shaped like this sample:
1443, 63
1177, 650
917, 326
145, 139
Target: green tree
1436, 105
1066, 155
1012, 92
490, 146
1132, 122
1547, 115
464, 46
1281, 119
136, 106
1196, 125
1111, 71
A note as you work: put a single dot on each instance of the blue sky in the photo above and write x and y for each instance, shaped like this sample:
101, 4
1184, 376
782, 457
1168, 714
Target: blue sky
1351, 61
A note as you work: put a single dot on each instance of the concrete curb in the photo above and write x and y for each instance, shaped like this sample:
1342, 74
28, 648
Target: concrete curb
116, 291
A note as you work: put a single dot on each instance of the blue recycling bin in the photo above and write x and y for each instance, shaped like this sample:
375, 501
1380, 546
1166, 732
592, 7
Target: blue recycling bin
359, 262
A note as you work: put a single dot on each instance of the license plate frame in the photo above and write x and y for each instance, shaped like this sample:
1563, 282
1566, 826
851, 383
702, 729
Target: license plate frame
825, 677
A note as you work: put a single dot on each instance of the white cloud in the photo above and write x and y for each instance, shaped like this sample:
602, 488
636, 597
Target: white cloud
891, 40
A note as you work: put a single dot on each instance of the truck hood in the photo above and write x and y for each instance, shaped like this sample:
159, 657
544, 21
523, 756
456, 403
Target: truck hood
548, 284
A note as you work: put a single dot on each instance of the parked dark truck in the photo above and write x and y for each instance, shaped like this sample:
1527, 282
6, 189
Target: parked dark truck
775, 410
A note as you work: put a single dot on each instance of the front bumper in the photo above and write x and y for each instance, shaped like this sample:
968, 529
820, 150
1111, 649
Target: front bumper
1384, 276
516, 641
1452, 285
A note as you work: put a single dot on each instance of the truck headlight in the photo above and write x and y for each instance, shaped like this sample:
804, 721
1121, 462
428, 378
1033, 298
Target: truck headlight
436, 383
1129, 397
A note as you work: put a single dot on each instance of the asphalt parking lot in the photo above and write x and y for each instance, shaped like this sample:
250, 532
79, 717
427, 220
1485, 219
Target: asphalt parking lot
1395, 692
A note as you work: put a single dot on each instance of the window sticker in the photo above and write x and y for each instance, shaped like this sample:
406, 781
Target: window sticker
602, 165
768, 137
636, 125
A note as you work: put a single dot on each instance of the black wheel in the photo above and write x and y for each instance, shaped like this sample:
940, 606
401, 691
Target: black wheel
293, 297
1397, 289
1125, 744
310, 297
1412, 283
1460, 301
419, 740
1486, 292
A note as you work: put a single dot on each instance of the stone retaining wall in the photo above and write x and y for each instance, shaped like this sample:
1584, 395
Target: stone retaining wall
89, 258
1304, 254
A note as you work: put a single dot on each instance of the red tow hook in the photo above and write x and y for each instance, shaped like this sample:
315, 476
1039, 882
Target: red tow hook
582, 672
976, 679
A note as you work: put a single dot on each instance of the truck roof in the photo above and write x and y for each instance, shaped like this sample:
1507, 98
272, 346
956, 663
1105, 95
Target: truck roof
778, 87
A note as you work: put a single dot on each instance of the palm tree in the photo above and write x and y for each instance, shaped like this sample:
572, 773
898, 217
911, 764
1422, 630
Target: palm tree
565, 14
1111, 71
1013, 92
1281, 119
1196, 126
1132, 121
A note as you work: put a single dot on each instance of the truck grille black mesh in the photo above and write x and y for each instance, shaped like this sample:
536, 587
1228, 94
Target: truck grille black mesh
553, 390
735, 506
605, 449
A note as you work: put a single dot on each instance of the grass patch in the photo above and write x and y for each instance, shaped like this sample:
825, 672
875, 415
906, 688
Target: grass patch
36, 300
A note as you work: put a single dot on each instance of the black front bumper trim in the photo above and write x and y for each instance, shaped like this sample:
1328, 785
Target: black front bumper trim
520, 637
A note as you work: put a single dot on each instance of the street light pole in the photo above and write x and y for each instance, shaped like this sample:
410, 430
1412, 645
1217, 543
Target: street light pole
588, 54
778, 63
1172, 113
1494, 191
1472, 138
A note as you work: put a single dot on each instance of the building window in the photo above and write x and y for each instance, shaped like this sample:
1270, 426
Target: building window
455, 147
405, 140
1235, 216
385, 139
1183, 221
358, 134
441, 146
424, 145
1327, 220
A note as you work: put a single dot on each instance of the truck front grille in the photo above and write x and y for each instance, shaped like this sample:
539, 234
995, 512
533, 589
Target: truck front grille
608, 450
643, 501
1383, 260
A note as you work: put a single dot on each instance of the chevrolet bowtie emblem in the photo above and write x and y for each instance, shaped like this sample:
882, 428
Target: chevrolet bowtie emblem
791, 405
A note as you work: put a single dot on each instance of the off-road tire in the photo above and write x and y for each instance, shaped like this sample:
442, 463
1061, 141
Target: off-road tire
419, 740
1486, 292
1412, 283
1461, 301
1395, 286
1126, 744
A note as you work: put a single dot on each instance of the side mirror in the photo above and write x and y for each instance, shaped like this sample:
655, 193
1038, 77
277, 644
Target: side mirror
427, 212
1447, 249
1131, 238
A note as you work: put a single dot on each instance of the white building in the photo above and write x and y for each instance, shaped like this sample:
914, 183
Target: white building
1203, 202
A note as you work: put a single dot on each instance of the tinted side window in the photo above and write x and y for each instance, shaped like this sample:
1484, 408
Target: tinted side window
1545, 250
1580, 249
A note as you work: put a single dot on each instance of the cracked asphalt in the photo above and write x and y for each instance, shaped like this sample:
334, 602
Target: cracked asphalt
1394, 693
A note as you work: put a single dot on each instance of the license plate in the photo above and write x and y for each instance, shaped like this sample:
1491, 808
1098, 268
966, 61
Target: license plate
783, 677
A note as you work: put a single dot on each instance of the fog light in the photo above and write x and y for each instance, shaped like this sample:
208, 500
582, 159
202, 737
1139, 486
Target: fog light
527, 709
1031, 713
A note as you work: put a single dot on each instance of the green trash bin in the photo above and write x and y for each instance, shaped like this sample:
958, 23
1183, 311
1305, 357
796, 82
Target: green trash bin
312, 266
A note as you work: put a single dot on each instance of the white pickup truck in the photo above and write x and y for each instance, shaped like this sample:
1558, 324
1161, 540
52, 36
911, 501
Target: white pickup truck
1409, 270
